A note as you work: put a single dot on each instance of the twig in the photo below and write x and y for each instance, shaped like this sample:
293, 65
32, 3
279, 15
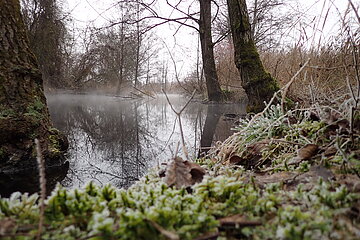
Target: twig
355, 10
147, 94
42, 180
287, 86
178, 114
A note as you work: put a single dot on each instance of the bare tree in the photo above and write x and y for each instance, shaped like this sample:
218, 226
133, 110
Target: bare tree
200, 21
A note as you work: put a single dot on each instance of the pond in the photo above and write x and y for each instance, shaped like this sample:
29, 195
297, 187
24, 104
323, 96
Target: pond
116, 140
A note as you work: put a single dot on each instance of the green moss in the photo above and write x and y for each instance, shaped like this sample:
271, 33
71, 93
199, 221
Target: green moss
36, 110
6, 113
110, 213
55, 141
259, 85
54, 144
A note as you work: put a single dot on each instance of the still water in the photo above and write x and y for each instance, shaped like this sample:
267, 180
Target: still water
116, 140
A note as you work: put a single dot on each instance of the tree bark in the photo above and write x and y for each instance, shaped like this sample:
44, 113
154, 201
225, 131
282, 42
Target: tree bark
207, 48
23, 112
258, 84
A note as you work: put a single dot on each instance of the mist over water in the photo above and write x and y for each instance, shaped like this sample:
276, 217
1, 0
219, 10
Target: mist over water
115, 140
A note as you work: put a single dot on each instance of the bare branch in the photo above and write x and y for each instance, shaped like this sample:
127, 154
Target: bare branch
178, 114
287, 86
42, 180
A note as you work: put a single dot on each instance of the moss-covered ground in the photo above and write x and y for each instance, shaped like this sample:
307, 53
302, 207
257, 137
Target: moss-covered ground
292, 175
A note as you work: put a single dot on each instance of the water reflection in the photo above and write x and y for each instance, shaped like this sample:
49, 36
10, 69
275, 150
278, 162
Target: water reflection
115, 141
219, 121
27, 180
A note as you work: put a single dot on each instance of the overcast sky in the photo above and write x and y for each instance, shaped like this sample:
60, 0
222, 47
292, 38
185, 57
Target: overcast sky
101, 12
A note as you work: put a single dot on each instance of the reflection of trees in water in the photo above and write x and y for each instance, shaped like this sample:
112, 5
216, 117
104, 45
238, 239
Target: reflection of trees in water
114, 140
218, 125
106, 139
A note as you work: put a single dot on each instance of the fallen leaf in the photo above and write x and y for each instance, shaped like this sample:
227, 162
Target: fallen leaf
168, 234
251, 156
262, 179
180, 173
235, 160
308, 151
290, 180
258, 147
197, 172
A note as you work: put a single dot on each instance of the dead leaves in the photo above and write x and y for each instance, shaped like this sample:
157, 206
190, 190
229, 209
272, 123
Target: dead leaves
180, 173
305, 153
290, 180
308, 151
251, 156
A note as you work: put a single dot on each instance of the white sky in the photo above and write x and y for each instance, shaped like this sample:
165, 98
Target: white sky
100, 12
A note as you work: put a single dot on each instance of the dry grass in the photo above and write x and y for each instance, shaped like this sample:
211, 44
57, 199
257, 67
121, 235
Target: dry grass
334, 58
324, 79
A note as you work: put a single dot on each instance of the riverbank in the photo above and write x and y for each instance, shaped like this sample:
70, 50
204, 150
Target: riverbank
292, 175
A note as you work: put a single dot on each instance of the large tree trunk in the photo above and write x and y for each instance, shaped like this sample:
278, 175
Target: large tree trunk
207, 48
23, 112
258, 84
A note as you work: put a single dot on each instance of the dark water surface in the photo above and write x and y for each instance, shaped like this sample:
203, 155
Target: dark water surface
114, 140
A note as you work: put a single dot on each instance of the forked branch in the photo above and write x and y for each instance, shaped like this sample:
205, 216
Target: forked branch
178, 114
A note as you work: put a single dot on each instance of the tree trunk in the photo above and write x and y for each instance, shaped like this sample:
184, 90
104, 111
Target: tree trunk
23, 112
207, 48
121, 63
138, 42
258, 84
